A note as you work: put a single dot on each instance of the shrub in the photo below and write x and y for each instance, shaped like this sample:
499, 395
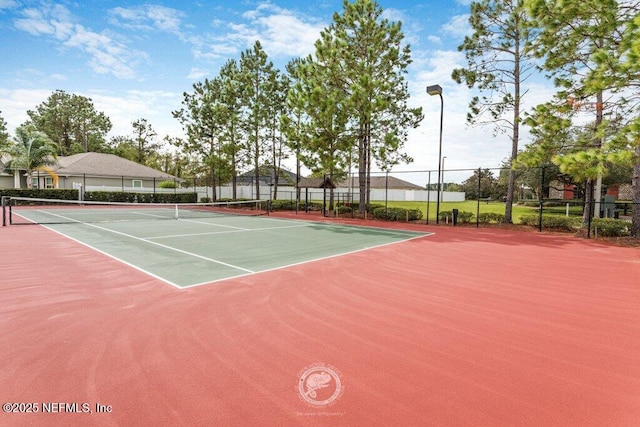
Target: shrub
283, 205
45, 193
168, 184
396, 214
113, 196
608, 227
342, 209
487, 217
463, 216
562, 223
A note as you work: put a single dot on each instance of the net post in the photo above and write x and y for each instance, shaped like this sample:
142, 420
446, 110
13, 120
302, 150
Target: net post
4, 211
176, 214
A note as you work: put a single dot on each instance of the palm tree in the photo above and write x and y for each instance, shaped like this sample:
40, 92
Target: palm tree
30, 150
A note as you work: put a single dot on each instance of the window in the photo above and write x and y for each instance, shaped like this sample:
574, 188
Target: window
48, 182
34, 182
137, 183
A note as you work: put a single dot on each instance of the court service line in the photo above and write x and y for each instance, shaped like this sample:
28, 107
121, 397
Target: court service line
281, 267
161, 245
226, 232
208, 223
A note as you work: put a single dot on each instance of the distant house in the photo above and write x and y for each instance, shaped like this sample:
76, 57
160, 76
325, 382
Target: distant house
89, 170
265, 173
562, 191
6, 178
380, 182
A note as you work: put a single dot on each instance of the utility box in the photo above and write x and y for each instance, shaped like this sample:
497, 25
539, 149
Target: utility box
608, 207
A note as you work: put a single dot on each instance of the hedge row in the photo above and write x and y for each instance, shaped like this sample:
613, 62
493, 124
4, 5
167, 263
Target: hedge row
397, 214
101, 196
609, 227
605, 227
109, 196
50, 193
488, 217
290, 205
562, 223
464, 217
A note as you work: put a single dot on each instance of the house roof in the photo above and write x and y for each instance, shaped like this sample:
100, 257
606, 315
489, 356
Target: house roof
266, 176
392, 183
316, 183
106, 165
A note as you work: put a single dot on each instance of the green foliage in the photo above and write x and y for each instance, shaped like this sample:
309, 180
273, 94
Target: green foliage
144, 140
560, 223
343, 210
4, 136
355, 82
608, 227
488, 187
488, 217
397, 214
283, 205
463, 216
48, 193
131, 197
604, 227
71, 122
30, 150
168, 184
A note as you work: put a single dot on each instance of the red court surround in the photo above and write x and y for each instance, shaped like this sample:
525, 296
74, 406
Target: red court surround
470, 327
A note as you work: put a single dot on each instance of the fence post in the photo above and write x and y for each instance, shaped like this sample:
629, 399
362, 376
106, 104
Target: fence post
541, 198
428, 193
479, 191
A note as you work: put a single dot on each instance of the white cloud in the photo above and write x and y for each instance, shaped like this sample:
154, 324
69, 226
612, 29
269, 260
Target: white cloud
16, 102
458, 26
148, 17
107, 55
8, 4
198, 73
155, 106
281, 32
122, 109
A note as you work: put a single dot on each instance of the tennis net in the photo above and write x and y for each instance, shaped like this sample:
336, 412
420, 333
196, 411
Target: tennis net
25, 210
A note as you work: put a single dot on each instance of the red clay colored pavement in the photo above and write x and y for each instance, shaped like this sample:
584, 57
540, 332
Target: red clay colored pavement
466, 327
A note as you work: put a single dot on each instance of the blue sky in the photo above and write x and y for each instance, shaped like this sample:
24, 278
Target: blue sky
135, 59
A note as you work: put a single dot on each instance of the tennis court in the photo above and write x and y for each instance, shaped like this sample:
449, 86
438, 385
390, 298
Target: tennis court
188, 245
411, 325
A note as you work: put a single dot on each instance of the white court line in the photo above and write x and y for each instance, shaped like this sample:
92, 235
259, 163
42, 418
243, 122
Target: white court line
142, 270
311, 260
159, 244
243, 230
209, 223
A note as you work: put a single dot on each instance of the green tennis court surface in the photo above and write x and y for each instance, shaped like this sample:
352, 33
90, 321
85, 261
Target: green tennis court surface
190, 252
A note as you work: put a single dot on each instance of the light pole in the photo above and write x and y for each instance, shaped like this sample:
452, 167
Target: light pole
443, 169
437, 90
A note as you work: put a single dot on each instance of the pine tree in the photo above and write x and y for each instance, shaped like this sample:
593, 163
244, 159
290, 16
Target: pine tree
256, 77
498, 66
364, 61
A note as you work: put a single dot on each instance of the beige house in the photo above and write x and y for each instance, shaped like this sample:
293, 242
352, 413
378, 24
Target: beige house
89, 170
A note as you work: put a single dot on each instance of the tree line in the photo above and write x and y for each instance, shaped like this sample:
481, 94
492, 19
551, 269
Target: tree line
346, 106
589, 50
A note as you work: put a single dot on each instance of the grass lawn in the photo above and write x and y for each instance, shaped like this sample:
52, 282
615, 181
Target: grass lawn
467, 206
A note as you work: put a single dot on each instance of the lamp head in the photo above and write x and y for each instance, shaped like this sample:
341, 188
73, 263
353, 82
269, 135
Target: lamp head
434, 90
